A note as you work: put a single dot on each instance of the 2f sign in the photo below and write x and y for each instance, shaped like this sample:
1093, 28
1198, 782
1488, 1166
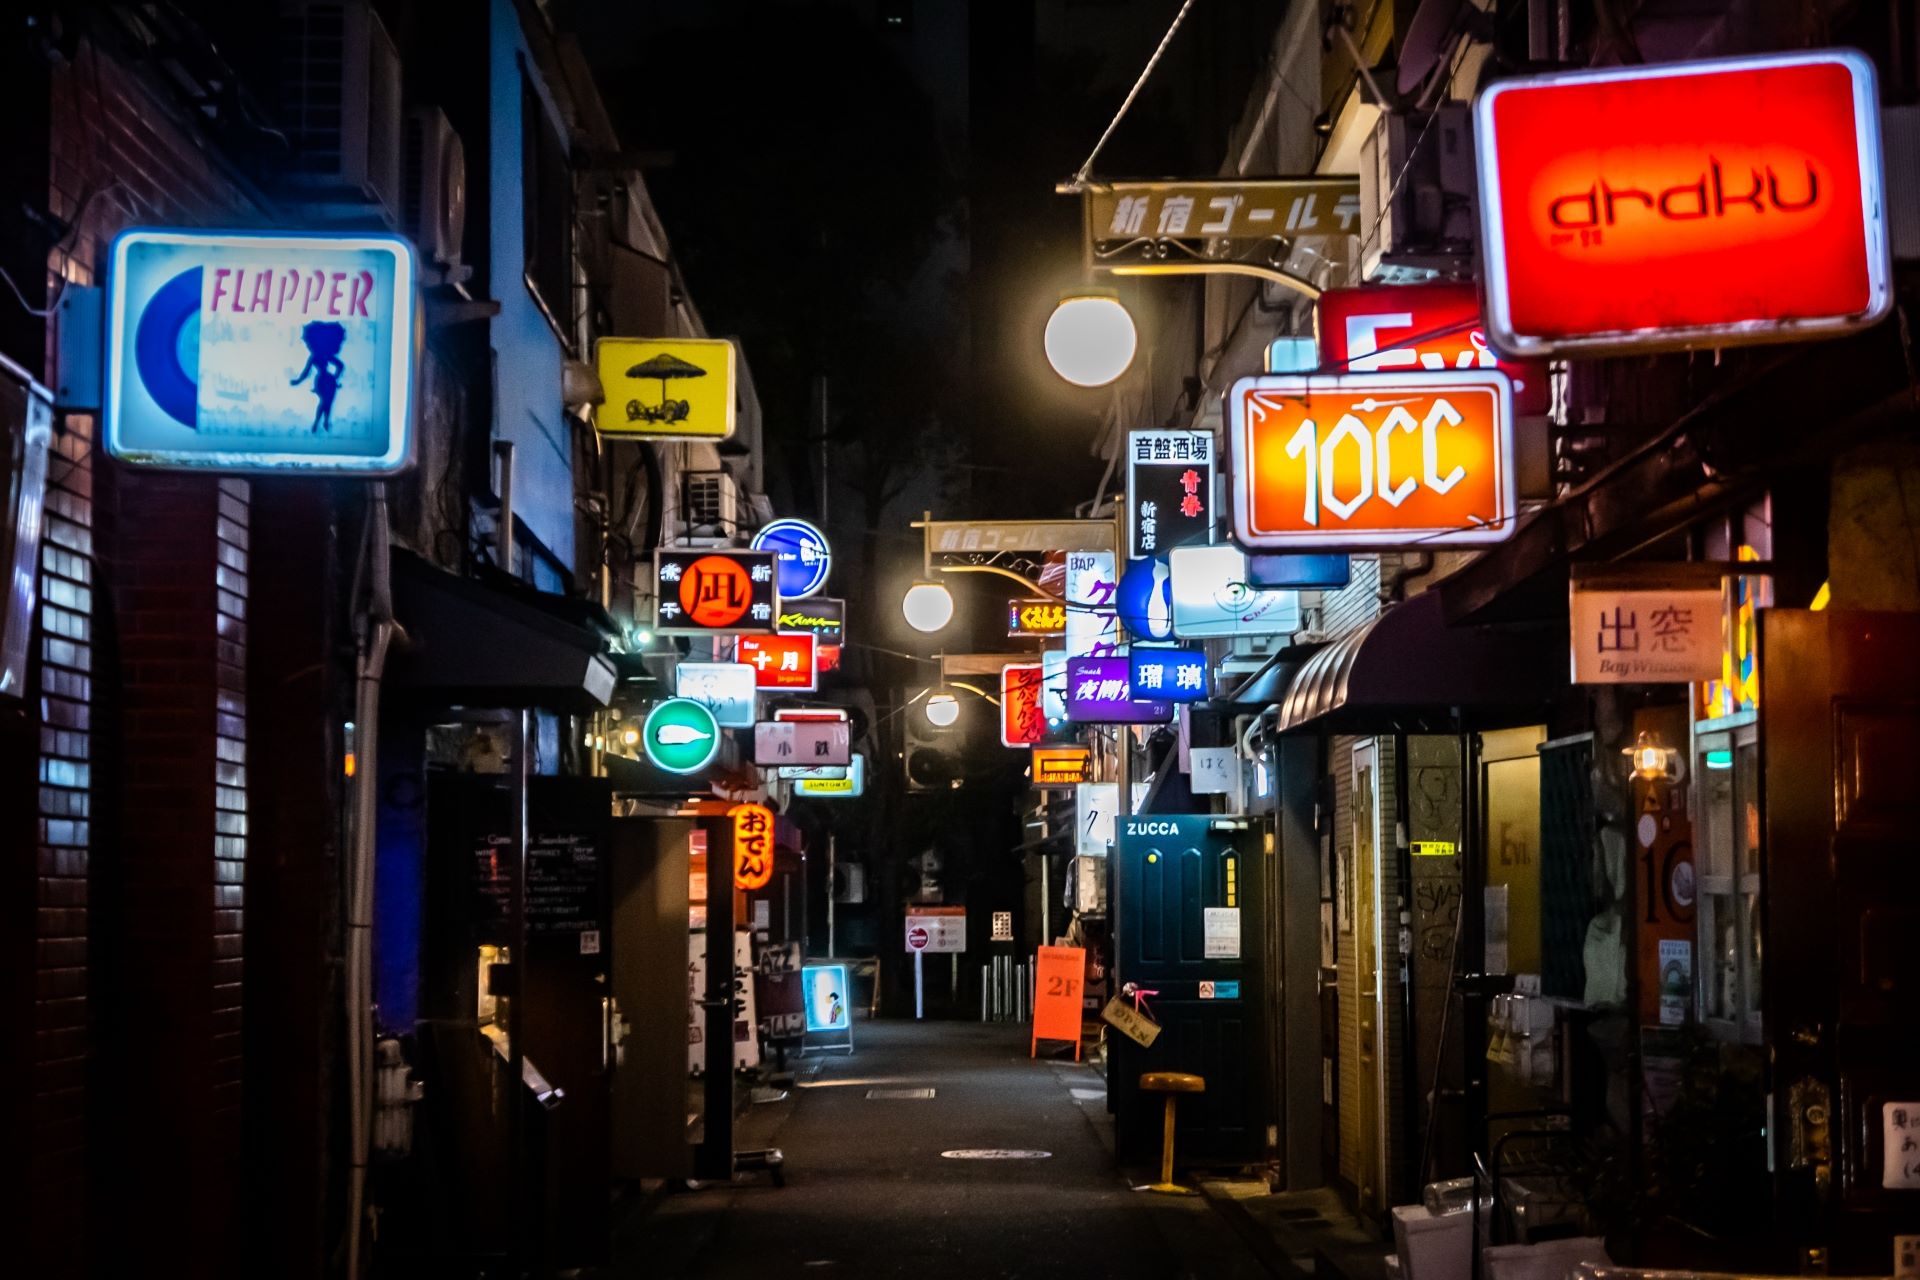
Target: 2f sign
1373, 459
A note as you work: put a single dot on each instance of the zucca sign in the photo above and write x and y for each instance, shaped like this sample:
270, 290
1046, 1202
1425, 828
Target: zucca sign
1682, 205
1375, 459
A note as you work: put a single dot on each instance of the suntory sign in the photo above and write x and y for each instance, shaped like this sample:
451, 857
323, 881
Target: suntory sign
1682, 204
1379, 459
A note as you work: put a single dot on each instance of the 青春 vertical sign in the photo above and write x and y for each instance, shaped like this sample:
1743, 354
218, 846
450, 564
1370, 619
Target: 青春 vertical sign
1682, 204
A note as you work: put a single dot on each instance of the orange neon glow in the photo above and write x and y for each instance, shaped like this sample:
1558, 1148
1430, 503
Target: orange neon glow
1061, 766
752, 846
1373, 459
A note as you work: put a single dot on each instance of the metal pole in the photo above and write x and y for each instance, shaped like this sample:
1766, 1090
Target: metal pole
831, 862
503, 539
1046, 896
984, 985
919, 993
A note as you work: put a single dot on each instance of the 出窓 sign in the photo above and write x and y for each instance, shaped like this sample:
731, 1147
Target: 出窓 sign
1652, 625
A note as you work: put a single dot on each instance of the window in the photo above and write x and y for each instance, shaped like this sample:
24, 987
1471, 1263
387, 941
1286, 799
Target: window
546, 192
1727, 791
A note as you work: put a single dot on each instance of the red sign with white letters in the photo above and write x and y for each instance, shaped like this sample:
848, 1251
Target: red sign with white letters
784, 661
1682, 204
1381, 328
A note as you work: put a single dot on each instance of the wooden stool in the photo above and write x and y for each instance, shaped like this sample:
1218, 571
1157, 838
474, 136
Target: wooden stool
1173, 1084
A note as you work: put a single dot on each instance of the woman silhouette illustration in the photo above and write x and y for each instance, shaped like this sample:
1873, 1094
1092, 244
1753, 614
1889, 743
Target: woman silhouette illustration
324, 338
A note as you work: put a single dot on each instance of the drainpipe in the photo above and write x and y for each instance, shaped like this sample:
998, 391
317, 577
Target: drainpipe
376, 633
503, 539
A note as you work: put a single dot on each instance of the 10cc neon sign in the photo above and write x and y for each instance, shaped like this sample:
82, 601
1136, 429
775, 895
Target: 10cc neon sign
1411, 457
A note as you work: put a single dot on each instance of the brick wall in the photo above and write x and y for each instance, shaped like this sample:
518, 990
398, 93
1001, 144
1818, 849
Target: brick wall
145, 1020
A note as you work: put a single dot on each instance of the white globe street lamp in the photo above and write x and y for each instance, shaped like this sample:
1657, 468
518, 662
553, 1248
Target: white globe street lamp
1090, 339
928, 606
942, 709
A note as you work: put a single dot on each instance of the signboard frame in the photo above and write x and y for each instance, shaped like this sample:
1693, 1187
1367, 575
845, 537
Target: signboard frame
608, 348
764, 539
1200, 452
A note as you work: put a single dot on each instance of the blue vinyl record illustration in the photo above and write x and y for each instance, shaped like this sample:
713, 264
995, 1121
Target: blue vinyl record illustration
166, 347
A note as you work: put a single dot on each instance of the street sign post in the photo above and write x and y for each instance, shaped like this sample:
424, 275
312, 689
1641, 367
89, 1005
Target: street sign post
941, 930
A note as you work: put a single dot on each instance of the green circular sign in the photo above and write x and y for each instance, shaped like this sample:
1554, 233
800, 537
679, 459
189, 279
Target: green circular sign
681, 736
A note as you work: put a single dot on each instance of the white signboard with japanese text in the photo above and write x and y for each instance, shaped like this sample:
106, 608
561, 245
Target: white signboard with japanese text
801, 742
1216, 771
1646, 634
1095, 804
724, 688
1093, 627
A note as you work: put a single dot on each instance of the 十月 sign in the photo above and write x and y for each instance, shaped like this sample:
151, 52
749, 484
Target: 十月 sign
752, 846
1176, 675
1023, 721
802, 558
721, 591
783, 662
236, 351
1169, 490
1682, 204
812, 743
1036, 618
1212, 596
674, 388
1380, 328
1099, 692
1061, 766
1375, 459
726, 688
1650, 625
939, 930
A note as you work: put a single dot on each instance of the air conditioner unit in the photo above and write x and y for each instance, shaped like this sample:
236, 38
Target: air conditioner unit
340, 100
1417, 195
435, 214
709, 508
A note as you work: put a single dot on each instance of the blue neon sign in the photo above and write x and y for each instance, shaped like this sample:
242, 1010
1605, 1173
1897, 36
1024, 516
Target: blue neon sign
1171, 675
802, 554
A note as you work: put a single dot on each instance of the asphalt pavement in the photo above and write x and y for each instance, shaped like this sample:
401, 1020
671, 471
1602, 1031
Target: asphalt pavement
871, 1192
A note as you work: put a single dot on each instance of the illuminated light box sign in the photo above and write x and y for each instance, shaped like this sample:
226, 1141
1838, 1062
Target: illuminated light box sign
1213, 595
1176, 675
1144, 599
724, 688
1169, 490
784, 663
1373, 459
1061, 766
719, 592
1093, 627
1023, 719
801, 742
801, 553
1299, 572
1682, 204
828, 997
1382, 328
1100, 692
823, 617
1036, 618
752, 846
847, 788
668, 388
240, 352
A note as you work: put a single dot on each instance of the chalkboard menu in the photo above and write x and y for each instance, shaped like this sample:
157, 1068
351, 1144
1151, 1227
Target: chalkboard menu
566, 865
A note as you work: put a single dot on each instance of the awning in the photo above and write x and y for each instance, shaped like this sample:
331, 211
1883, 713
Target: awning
1408, 670
472, 644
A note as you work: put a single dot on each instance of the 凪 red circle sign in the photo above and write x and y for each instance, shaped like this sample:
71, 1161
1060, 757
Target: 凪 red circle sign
715, 591
917, 938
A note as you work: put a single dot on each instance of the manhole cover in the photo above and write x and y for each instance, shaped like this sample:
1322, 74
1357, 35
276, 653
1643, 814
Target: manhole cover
900, 1093
994, 1153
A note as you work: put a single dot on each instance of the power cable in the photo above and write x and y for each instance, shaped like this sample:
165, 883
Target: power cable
1086, 167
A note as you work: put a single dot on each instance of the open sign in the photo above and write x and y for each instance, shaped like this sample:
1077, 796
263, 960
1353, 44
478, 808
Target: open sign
1373, 459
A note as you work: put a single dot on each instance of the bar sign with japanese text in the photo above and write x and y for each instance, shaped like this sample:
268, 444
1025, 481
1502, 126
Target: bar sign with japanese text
1169, 491
1637, 630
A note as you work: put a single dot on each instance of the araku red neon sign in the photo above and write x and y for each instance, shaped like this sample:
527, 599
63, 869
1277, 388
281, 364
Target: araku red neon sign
1682, 205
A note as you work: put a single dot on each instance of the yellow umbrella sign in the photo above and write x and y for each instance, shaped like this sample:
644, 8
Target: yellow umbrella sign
678, 388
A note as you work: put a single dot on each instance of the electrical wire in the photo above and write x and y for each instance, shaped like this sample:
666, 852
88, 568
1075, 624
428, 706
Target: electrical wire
1086, 167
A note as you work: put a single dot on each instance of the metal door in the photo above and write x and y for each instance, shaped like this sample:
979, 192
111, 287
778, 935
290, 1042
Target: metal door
1190, 928
1840, 885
